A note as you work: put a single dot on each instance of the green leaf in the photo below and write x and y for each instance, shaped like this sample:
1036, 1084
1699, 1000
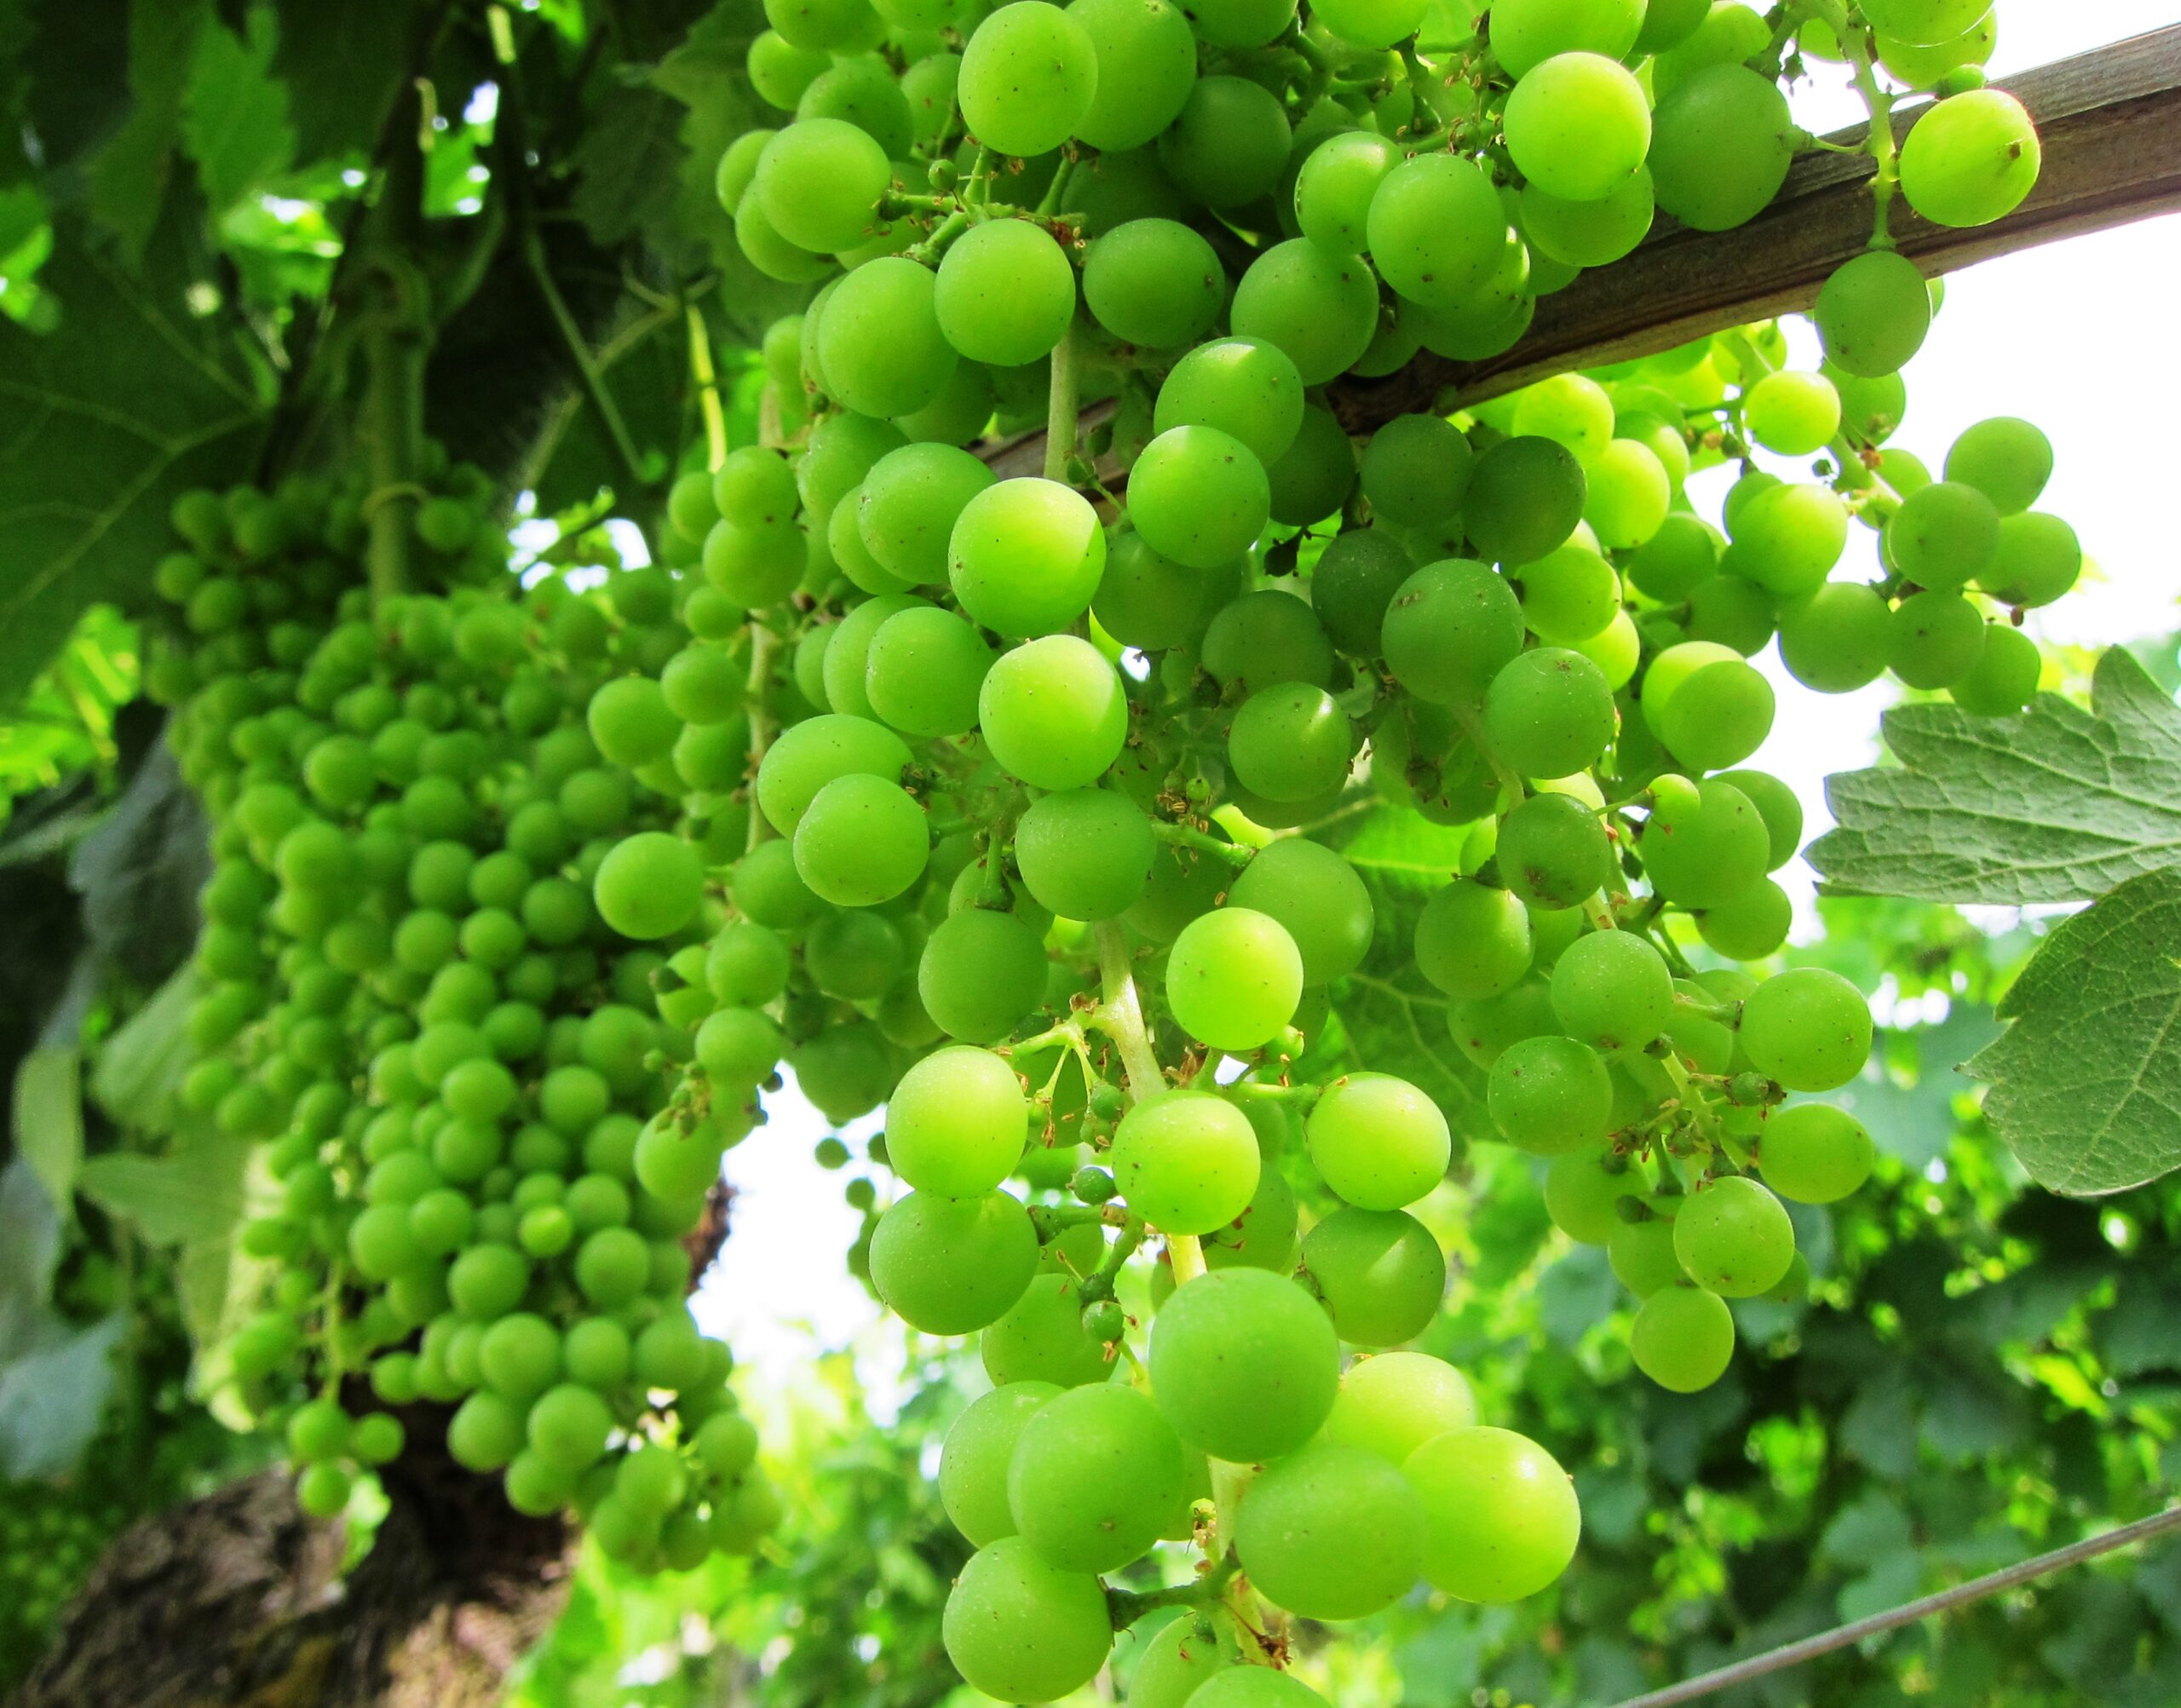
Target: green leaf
128, 177
2086, 1082
29, 1248
191, 1196
2059, 804
48, 1110
108, 420
627, 164
51, 1399
342, 67
234, 114
139, 1067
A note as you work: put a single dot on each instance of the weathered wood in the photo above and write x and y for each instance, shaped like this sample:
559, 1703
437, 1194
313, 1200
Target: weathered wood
2110, 124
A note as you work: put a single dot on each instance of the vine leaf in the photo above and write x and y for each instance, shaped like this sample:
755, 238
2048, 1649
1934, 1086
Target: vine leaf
235, 113
48, 1118
130, 402
128, 178
2086, 1082
2058, 804
191, 1196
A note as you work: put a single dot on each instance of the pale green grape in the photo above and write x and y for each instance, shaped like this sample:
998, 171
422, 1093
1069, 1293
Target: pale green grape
1970, 158
1500, 1517
1551, 1095
1053, 712
1186, 1161
807, 756
1578, 125
973, 1462
956, 1123
1025, 555
1316, 896
1154, 282
1682, 1338
1392, 1404
1808, 1028
880, 341
1380, 1273
1085, 854
980, 973
1872, 313
1733, 1238
1244, 1363
1229, 144
1245, 387
1527, 33
1319, 307
2006, 459
1415, 470
1813, 1153
1450, 628
1029, 75
1020, 1630
1553, 852
1233, 978
1379, 1141
1198, 496
1005, 292
922, 670
819, 181
1549, 713
1437, 229
953, 1265
1041, 1338
1334, 189
1291, 742
1524, 497
1094, 1472
1146, 58
1332, 1533
1721, 145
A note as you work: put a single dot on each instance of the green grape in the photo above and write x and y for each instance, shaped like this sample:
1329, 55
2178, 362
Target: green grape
1628, 496
1583, 1191
1701, 854
1380, 1272
1935, 639
1813, 1153
1314, 479
1154, 282
1708, 707
1041, 1338
1733, 1238
1472, 940
1185, 1652
818, 182
1353, 584
1551, 1095
1029, 78
1944, 536
1094, 1474
1392, 1404
909, 502
1750, 924
1674, 561
1721, 145
1836, 639
1255, 1687
1334, 189
953, 1265
1553, 853
1612, 989
1241, 23
770, 253
848, 650
1244, 1363
857, 955
1006, 291
1291, 742
1379, 1141
1574, 412
820, 25
1025, 554
1594, 233
2004, 676
930, 86
1787, 537
1229, 144
322, 1490
1682, 1338
1146, 57
1642, 1258
1321, 308
1198, 496
1186, 1161
1054, 712
1233, 978
1525, 495
862, 840
1808, 1028
1020, 1630
1415, 470
1262, 1236
841, 450
2008, 460
1437, 229
768, 890
1085, 854
1315, 896
1264, 637
1332, 1532
1577, 125
980, 973
973, 1463
650, 885
1970, 158
807, 756
567, 1426
1500, 1517
884, 351
1245, 387
1452, 627
922, 670
2038, 559
956, 1123
1526, 32
1572, 593
1145, 600
1872, 313
1549, 713
1923, 22
1795, 414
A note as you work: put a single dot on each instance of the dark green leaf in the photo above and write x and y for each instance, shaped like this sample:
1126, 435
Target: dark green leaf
2059, 804
51, 1399
48, 1118
2085, 1084
1866, 1531
191, 1196
342, 67
627, 164
139, 872
108, 419
234, 115
129, 179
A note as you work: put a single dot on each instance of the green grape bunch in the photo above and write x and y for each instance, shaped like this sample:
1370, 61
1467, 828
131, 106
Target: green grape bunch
471, 1188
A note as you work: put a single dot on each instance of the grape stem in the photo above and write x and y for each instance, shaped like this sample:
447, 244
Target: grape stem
1856, 46
707, 378
1128, 1606
1119, 1015
762, 643
1063, 403
1189, 836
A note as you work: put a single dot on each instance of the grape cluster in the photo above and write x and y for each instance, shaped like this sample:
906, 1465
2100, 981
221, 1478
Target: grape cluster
469, 1190
1045, 853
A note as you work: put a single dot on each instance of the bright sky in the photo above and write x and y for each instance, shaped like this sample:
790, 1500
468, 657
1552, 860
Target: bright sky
2078, 338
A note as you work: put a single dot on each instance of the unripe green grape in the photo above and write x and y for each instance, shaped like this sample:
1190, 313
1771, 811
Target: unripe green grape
1612, 989
1970, 158
1334, 189
1721, 145
922, 671
2039, 558
1944, 536
1094, 1474
1392, 1404
846, 665
1577, 124
1501, 1516
857, 955
1085, 854
1549, 713
1674, 561
1054, 713
1353, 584
863, 840
1813, 1153
1702, 857
1682, 1338
1229, 144
1579, 234
1041, 1338
1005, 292
2004, 676
2006, 459
909, 504
1244, 1364
1264, 637
1552, 852
1787, 537
1872, 313
1437, 229
1183, 1654
1583, 1193
770, 253
1321, 308
754, 564
1233, 978
818, 182
1472, 940
1795, 414
650, 885
1317, 897
1379, 1141
1936, 639
1836, 639
951, 1266
1709, 708
1291, 742
1525, 495
1154, 282
1146, 58
1029, 74
1450, 628
980, 973
1734, 1238
1750, 924
1332, 1532
1245, 387
1025, 555
974, 1460
1551, 1095
1198, 496
1629, 493
1020, 1630
1808, 1028
807, 756
956, 1123
1381, 1273
322, 1490
880, 341
1642, 1258
1146, 601
1415, 470
861, 88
